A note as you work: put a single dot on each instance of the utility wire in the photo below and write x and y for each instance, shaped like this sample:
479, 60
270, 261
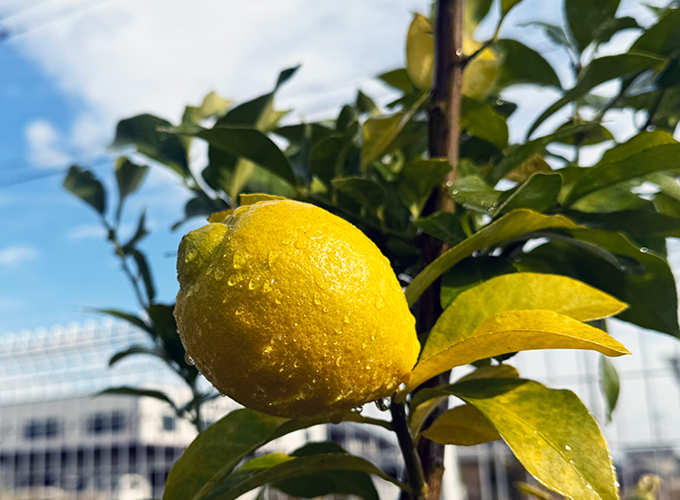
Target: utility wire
7, 33
46, 175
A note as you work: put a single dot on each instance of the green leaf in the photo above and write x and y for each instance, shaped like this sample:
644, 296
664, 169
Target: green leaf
609, 385
212, 105
509, 226
276, 467
662, 38
219, 448
539, 193
532, 491
340, 482
420, 52
475, 194
550, 432
469, 273
365, 104
380, 132
135, 349
129, 317
599, 71
398, 79
655, 159
637, 144
417, 180
442, 225
647, 285
251, 144
524, 152
506, 5
585, 18
285, 75
609, 28
135, 391
140, 233
515, 312
633, 222
522, 65
366, 192
531, 165
144, 132
129, 176
462, 426
83, 184
555, 33
595, 134
482, 121
474, 12
145, 273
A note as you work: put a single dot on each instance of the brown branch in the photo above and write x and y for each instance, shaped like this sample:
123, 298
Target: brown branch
444, 141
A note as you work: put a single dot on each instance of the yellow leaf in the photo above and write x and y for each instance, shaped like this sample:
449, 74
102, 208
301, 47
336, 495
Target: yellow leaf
420, 52
533, 491
217, 217
421, 412
523, 171
516, 331
491, 371
464, 426
251, 199
481, 73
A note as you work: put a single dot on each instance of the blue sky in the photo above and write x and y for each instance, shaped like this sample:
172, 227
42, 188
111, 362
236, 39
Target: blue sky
66, 83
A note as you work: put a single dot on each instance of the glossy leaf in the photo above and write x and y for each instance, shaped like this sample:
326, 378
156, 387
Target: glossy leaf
633, 222
442, 225
83, 184
637, 144
531, 165
522, 65
550, 432
251, 144
482, 121
585, 18
358, 483
463, 426
610, 386
539, 193
515, 312
474, 193
135, 391
276, 467
642, 279
659, 158
470, 273
417, 180
662, 38
509, 226
220, 447
366, 192
491, 371
420, 52
147, 133
129, 176
597, 72
380, 132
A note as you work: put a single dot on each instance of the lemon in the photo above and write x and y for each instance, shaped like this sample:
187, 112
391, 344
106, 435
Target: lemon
293, 311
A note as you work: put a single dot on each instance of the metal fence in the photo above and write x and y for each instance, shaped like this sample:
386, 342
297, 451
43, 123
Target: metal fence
57, 441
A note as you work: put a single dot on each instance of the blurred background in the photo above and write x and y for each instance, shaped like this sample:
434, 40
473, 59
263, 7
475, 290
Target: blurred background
71, 69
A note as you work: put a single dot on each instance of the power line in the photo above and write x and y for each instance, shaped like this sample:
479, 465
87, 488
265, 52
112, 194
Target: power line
46, 175
6, 33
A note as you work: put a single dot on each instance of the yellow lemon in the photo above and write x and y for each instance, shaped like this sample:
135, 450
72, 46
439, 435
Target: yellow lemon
293, 311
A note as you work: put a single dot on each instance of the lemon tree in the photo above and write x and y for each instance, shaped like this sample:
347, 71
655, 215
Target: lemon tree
296, 299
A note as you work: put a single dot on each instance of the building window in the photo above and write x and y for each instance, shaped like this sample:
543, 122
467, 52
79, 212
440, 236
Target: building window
169, 423
107, 423
48, 428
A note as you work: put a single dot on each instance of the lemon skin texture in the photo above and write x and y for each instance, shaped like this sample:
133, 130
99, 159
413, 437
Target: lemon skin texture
292, 311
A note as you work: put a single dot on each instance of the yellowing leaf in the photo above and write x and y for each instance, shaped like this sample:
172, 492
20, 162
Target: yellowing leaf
481, 73
523, 171
550, 432
516, 312
221, 216
420, 52
421, 412
463, 426
517, 292
491, 371
251, 199
516, 331
532, 491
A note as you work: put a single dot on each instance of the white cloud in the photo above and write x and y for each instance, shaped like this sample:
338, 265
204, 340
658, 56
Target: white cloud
86, 231
44, 145
128, 57
15, 255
